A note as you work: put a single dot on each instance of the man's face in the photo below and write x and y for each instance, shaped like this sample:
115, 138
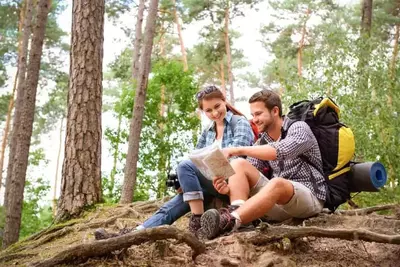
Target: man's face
262, 117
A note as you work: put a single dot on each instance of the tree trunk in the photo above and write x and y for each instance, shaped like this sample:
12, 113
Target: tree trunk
179, 29
301, 45
81, 173
11, 103
22, 59
57, 167
138, 41
366, 18
222, 76
228, 55
16, 192
137, 114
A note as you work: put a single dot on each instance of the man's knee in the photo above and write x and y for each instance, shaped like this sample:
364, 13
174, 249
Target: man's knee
283, 188
240, 164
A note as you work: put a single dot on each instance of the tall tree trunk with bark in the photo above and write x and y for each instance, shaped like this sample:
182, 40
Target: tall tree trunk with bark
138, 41
22, 63
301, 44
81, 174
365, 49
138, 109
57, 168
229, 55
11, 103
179, 29
16, 192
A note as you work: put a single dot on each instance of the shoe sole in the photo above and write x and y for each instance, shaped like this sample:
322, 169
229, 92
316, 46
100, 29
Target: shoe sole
210, 223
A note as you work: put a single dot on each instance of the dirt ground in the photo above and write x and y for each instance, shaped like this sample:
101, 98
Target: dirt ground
232, 250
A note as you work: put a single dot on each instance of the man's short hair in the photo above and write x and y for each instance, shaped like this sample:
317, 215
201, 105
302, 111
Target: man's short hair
269, 98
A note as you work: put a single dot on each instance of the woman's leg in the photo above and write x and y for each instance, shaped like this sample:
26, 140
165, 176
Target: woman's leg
171, 211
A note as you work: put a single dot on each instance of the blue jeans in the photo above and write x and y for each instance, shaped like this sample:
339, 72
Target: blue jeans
194, 186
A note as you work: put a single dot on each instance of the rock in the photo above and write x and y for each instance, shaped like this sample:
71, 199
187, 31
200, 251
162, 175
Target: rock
271, 259
229, 262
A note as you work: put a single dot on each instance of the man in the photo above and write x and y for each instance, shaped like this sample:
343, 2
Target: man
298, 188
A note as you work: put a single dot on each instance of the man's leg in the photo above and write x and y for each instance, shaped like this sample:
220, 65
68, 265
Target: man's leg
246, 177
276, 191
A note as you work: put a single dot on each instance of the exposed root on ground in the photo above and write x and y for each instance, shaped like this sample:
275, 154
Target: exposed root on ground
82, 252
274, 233
368, 210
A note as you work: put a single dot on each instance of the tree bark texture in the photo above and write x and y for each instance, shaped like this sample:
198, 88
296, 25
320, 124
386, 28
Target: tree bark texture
138, 109
138, 41
229, 56
22, 62
222, 76
366, 17
11, 102
301, 45
179, 29
82, 252
16, 192
81, 176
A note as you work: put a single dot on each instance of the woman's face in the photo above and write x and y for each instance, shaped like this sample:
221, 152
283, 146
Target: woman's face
215, 109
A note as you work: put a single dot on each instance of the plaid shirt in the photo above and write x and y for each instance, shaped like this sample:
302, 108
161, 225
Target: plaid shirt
242, 135
298, 158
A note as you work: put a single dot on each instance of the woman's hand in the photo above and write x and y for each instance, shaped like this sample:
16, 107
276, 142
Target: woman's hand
221, 185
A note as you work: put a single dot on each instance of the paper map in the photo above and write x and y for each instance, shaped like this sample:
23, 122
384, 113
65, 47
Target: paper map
211, 162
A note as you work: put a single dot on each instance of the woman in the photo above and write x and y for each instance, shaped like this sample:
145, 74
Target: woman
197, 190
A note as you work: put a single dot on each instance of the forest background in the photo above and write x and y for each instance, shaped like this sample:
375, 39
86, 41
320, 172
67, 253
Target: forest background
347, 50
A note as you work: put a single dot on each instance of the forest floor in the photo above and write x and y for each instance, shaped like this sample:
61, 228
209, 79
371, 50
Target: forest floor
312, 242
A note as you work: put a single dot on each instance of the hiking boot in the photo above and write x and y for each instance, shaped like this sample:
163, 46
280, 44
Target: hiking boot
194, 224
101, 234
215, 222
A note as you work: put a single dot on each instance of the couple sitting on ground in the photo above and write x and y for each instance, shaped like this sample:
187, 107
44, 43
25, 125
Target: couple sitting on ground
297, 188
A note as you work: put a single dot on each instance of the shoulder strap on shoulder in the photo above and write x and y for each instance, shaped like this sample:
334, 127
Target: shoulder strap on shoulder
285, 127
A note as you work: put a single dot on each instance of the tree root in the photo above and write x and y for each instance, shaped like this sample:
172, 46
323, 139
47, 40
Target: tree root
82, 252
105, 223
274, 233
15, 256
368, 210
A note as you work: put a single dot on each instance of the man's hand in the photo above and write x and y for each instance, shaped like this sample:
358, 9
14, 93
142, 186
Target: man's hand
179, 190
221, 185
229, 152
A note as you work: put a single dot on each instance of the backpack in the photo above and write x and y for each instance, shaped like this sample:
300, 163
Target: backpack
335, 141
234, 121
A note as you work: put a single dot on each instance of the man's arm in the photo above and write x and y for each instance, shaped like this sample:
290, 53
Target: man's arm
264, 152
298, 140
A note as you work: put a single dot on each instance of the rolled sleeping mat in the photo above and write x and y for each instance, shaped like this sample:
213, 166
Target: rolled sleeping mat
367, 176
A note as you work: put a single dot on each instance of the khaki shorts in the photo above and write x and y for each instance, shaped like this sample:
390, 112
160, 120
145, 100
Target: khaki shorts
302, 205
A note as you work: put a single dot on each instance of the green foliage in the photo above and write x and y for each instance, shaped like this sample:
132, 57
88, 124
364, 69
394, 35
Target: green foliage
354, 70
164, 138
35, 216
4, 102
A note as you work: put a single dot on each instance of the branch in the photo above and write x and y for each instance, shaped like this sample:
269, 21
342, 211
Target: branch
82, 252
368, 210
276, 233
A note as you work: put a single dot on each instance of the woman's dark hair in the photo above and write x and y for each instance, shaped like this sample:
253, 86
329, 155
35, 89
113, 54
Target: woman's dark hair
211, 92
269, 98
